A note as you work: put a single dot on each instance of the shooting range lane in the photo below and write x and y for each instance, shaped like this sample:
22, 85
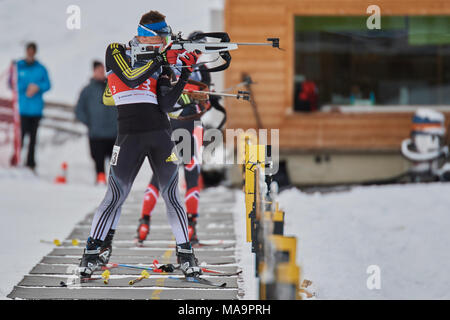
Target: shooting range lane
216, 233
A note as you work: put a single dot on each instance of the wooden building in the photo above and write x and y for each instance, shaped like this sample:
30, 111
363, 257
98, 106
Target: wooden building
339, 144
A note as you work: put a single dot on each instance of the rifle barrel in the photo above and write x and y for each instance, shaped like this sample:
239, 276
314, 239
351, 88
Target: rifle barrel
213, 93
253, 44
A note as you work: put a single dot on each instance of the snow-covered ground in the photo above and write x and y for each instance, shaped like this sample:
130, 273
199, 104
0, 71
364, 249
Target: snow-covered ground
33, 208
401, 229
246, 260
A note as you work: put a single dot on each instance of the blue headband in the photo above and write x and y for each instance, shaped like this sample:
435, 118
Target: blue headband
148, 30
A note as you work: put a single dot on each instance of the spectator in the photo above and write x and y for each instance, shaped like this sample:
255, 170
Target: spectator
32, 82
100, 120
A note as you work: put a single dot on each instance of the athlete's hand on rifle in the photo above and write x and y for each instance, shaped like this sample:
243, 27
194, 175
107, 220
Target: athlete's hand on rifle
171, 55
189, 59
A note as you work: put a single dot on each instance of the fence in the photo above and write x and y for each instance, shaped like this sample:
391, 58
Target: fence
275, 253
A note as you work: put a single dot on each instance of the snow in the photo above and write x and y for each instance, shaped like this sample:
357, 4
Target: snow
245, 259
33, 208
402, 229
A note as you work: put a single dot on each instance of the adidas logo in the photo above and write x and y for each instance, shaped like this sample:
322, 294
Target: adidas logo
172, 158
115, 51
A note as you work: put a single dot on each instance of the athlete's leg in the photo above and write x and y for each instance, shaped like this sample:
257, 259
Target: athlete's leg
127, 158
150, 197
128, 155
163, 165
192, 175
162, 156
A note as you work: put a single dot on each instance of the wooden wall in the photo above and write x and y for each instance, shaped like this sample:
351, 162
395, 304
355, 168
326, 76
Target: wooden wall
273, 70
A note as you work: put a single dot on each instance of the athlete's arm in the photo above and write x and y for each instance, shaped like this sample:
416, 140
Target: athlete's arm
116, 61
168, 95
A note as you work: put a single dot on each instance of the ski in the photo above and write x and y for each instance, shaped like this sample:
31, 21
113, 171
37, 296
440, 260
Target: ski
208, 244
161, 268
201, 281
105, 277
172, 267
121, 265
75, 282
140, 244
203, 245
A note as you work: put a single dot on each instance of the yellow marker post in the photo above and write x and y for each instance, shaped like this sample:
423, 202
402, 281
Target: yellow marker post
287, 273
254, 166
278, 221
249, 189
144, 275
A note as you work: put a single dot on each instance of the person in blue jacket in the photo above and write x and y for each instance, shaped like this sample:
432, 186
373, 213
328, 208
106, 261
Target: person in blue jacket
32, 82
100, 120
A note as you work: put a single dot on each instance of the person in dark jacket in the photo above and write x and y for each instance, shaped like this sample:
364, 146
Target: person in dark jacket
32, 82
100, 120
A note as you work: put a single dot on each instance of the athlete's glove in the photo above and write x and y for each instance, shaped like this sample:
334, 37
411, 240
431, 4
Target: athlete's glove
189, 59
172, 55
187, 112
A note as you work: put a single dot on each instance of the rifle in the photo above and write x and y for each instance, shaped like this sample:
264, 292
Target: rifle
144, 52
204, 95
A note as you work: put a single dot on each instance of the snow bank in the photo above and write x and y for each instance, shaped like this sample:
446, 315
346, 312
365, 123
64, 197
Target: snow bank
244, 255
33, 209
402, 229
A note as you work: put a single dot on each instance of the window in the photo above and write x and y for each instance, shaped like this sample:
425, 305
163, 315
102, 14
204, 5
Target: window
406, 62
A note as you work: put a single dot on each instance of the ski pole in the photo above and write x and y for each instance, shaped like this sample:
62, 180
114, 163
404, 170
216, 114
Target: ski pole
116, 265
58, 242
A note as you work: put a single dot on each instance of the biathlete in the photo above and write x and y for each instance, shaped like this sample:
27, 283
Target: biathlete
192, 168
143, 94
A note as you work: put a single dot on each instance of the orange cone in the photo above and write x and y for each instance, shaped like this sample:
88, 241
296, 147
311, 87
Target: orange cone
101, 178
62, 178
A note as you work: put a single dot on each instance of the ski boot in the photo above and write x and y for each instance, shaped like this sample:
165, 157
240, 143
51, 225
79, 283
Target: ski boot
106, 247
143, 230
187, 260
91, 260
192, 228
